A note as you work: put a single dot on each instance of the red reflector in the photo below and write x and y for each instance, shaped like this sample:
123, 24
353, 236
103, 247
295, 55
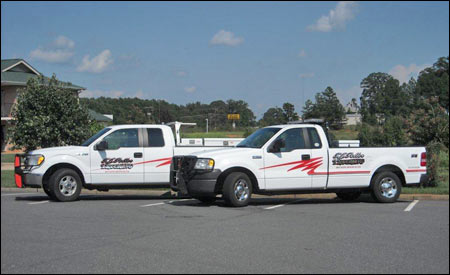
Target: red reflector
17, 161
423, 159
18, 179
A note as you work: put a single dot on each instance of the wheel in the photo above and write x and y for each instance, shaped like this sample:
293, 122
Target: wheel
348, 196
206, 199
47, 191
386, 187
237, 189
65, 185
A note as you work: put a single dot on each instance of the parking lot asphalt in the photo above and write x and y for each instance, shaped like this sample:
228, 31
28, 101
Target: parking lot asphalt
148, 234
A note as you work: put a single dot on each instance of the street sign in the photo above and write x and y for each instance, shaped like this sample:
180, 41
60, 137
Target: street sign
234, 116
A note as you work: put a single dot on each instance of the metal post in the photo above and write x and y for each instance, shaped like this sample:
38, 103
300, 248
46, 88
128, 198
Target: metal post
207, 125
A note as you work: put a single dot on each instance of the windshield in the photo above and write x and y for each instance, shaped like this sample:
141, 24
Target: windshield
259, 138
96, 136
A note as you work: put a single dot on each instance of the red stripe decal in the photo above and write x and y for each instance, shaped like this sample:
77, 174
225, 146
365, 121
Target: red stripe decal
311, 165
340, 173
415, 170
165, 163
155, 160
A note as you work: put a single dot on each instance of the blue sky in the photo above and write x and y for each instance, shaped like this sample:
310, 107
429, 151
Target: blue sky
265, 53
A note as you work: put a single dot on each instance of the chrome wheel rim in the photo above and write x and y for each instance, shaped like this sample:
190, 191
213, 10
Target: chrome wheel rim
67, 186
241, 190
388, 188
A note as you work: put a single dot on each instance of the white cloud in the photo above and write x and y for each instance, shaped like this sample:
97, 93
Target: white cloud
139, 94
59, 51
97, 64
99, 93
190, 89
404, 74
306, 75
51, 56
302, 53
63, 42
337, 18
226, 38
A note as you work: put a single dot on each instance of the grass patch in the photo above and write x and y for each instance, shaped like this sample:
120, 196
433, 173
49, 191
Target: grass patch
8, 178
8, 158
348, 132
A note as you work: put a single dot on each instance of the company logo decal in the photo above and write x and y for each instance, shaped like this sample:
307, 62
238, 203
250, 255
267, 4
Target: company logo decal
128, 164
348, 159
116, 163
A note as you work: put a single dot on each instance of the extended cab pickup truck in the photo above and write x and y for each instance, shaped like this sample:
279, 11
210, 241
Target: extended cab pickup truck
122, 156
290, 159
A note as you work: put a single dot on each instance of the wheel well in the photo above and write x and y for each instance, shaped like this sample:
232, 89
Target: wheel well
58, 166
392, 168
223, 176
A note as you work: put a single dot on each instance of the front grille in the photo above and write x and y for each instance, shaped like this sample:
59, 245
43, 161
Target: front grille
185, 165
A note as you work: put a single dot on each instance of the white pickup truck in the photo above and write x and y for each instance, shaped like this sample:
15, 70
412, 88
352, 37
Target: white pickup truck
290, 159
122, 156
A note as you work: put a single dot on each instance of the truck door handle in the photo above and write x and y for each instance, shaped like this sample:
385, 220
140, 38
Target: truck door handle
138, 155
306, 157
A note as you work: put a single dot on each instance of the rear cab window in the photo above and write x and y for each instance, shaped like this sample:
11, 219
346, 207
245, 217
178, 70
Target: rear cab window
314, 137
155, 137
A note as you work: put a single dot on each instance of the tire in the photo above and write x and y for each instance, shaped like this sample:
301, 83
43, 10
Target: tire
348, 196
206, 199
386, 187
65, 185
237, 189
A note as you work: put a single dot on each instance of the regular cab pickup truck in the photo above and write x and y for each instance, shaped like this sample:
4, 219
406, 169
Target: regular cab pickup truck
122, 156
292, 159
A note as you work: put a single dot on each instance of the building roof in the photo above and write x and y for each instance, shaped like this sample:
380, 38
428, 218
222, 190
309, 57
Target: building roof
99, 117
17, 72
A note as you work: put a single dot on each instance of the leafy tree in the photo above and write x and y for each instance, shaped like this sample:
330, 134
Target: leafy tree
47, 115
382, 98
392, 133
433, 82
327, 107
289, 112
273, 116
429, 124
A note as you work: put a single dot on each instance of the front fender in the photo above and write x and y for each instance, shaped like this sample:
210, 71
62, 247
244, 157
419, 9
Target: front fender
82, 165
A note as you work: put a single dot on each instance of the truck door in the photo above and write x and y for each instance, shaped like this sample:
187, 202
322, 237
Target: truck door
289, 168
157, 157
318, 151
121, 162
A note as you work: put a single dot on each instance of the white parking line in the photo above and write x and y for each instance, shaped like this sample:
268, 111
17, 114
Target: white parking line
411, 206
162, 203
281, 205
39, 202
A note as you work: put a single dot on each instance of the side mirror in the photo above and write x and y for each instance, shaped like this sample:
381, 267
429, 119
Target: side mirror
101, 146
277, 145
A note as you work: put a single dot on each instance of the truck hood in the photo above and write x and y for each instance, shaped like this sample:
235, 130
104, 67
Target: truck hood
64, 150
227, 153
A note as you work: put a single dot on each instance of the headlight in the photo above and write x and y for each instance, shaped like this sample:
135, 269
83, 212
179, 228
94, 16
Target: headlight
35, 160
204, 164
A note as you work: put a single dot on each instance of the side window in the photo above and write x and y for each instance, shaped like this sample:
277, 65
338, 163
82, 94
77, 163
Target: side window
122, 138
293, 140
155, 137
316, 143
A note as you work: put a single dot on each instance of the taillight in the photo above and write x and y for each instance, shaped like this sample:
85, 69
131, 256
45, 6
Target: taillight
423, 159
17, 161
